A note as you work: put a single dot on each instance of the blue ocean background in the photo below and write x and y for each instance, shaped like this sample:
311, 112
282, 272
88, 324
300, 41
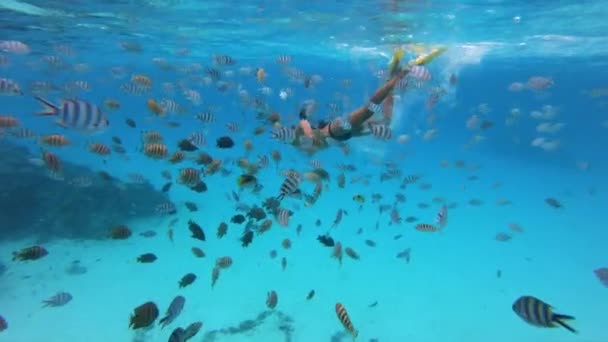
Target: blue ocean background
449, 290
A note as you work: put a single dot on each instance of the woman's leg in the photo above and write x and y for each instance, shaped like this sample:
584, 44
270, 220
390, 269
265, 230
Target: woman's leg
359, 116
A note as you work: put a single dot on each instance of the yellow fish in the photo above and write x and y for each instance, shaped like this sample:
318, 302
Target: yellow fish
359, 198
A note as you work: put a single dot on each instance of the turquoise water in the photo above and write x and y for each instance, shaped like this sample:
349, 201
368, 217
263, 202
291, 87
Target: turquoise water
460, 282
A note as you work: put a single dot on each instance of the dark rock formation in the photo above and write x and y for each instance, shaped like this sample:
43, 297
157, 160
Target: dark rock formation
34, 204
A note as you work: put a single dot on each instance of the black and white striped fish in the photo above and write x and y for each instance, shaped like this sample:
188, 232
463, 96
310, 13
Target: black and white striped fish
282, 216
402, 84
290, 186
538, 313
284, 134
60, 299
198, 139
9, 87
294, 74
64, 49
132, 88
290, 173
316, 164
167, 208
375, 108
393, 171
23, 133
420, 73
223, 60
170, 106
53, 62
389, 174
77, 85
205, 117
193, 96
381, 132
409, 179
284, 59
78, 114
14, 46
233, 127
174, 310
214, 74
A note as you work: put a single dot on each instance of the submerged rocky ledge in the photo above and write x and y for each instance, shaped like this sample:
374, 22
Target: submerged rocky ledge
85, 204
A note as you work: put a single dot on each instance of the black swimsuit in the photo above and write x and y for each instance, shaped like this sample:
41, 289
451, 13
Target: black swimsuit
343, 137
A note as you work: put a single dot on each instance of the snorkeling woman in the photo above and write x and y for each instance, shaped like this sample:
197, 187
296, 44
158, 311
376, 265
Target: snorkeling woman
357, 123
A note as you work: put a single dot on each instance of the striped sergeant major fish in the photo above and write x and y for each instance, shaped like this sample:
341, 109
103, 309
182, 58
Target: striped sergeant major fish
9, 87
538, 313
381, 132
77, 114
60, 299
284, 134
223, 60
282, 216
14, 46
284, 59
420, 73
290, 186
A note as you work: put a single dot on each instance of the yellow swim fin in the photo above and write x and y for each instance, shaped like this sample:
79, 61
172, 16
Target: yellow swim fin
424, 59
393, 66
